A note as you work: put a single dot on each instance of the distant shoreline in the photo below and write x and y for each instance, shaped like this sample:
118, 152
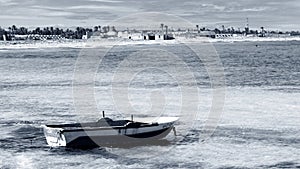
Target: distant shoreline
111, 42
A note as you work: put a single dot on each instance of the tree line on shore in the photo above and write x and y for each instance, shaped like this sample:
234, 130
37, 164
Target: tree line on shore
78, 32
232, 30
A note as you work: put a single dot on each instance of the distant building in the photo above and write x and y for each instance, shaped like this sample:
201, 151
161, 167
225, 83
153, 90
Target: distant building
151, 36
135, 36
123, 34
168, 37
223, 35
87, 35
132, 35
209, 34
37, 37
112, 34
4, 38
31, 37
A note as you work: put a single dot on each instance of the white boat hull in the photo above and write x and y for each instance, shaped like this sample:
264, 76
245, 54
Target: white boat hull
102, 136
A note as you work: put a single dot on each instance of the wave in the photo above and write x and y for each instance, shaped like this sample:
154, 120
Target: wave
26, 137
286, 164
14, 85
238, 135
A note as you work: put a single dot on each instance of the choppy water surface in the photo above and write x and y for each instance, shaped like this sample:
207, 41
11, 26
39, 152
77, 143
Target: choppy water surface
260, 125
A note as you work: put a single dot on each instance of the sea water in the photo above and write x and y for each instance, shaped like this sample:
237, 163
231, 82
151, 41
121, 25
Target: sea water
259, 125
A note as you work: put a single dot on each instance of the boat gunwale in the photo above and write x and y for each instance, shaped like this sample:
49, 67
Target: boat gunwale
77, 127
74, 129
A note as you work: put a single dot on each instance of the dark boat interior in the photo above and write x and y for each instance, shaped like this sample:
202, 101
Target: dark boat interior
106, 122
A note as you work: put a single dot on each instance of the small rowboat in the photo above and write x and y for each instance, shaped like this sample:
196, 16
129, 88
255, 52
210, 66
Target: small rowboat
107, 132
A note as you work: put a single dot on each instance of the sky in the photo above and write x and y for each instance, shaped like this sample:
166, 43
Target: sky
271, 14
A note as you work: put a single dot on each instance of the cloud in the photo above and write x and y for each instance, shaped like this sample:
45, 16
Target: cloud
7, 2
81, 7
99, 8
256, 9
272, 13
212, 6
47, 7
108, 1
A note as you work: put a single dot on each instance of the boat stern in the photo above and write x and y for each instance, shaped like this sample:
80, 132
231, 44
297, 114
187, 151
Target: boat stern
54, 136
